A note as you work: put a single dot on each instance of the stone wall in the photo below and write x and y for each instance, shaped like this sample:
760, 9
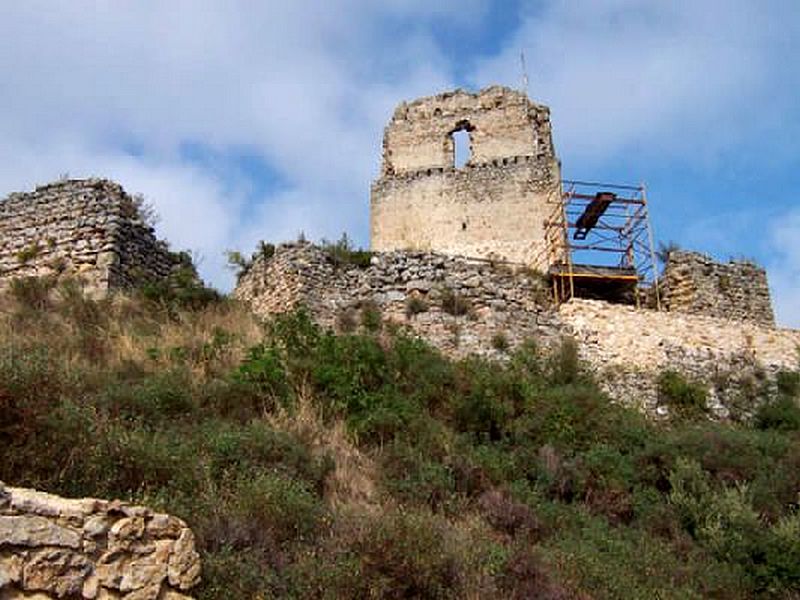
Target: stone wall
737, 290
629, 348
52, 547
86, 228
498, 304
493, 207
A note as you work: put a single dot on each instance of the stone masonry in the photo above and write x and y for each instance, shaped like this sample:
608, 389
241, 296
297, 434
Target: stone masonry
502, 307
493, 207
496, 304
738, 290
89, 229
629, 348
52, 547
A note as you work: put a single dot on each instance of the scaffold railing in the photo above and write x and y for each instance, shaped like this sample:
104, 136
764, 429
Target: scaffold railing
600, 233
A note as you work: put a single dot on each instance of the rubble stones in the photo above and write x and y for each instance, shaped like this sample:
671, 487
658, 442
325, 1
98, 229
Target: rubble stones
52, 547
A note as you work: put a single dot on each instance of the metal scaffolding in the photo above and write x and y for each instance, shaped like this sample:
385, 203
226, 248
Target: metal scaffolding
598, 241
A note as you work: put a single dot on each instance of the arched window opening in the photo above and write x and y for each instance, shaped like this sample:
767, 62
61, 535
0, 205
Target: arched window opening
462, 144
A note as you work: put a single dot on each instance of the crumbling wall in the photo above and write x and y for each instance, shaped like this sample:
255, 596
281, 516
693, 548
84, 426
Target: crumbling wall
630, 348
497, 307
737, 290
493, 207
86, 228
53, 547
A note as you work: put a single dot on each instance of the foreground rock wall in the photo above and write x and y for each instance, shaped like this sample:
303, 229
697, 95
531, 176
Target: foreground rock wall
630, 348
496, 306
89, 229
52, 547
737, 290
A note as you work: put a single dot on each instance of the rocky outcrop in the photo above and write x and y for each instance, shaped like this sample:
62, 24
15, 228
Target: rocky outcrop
52, 547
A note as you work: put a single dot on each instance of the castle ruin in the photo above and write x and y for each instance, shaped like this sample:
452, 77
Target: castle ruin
87, 229
475, 258
492, 207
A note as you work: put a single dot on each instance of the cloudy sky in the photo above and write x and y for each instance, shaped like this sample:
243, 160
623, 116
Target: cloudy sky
247, 120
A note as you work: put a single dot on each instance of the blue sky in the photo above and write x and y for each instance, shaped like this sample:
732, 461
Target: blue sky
243, 120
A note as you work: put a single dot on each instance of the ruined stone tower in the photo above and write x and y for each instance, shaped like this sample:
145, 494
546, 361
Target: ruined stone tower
492, 207
87, 229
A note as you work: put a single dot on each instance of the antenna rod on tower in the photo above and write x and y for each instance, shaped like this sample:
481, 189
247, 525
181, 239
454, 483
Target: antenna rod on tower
524, 72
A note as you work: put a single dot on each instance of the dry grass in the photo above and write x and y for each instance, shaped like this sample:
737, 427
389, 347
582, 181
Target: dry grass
123, 332
351, 485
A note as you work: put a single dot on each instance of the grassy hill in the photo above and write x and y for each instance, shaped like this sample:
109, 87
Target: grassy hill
312, 465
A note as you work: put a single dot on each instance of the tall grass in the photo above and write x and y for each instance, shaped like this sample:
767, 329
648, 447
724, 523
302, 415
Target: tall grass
315, 465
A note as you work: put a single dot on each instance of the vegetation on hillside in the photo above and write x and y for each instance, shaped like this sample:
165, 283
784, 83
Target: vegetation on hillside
367, 465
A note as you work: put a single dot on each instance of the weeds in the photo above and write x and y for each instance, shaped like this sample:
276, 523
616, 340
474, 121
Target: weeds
314, 465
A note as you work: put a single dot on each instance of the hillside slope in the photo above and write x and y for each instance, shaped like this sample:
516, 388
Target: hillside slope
312, 465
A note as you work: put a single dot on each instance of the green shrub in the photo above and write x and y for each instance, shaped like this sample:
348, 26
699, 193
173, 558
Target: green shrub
453, 303
282, 508
32, 293
788, 383
410, 555
342, 253
28, 253
415, 305
371, 319
500, 342
564, 365
158, 397
782, 414
687, 399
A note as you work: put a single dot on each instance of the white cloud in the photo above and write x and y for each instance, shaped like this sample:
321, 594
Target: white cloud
784, 271
670, 79
300, 85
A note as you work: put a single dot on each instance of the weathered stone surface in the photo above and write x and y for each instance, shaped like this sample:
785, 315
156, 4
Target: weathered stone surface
630, 348
113, 550
31, 531
737, 290
184, 562
10, 569
15, 594
495, 300
88, 228
49, 505
58, 571
493, 207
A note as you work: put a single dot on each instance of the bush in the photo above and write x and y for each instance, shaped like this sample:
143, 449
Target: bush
452, 303
782, 414
415, 305
32, 293
500, 341
281, 508
409, 555
342, 253
371, 319
687, 399
788, 383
